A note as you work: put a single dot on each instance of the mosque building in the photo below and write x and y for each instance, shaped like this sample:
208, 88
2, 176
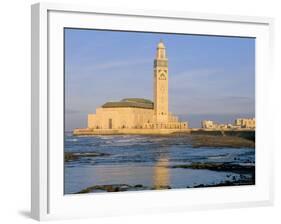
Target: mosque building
139, 113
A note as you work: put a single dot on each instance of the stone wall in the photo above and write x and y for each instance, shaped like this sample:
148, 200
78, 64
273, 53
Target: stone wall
87, 131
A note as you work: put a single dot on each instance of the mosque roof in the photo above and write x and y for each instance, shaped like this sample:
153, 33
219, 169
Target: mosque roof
130, 102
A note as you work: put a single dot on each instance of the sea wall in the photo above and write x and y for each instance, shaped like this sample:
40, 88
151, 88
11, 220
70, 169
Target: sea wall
246, 134
128, 131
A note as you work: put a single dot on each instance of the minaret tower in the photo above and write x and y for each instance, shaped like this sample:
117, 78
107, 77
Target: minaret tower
161, 84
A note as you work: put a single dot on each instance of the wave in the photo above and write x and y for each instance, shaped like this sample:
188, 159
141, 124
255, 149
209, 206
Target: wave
72, 140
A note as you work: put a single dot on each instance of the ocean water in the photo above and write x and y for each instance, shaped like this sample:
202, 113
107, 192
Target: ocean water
147, 161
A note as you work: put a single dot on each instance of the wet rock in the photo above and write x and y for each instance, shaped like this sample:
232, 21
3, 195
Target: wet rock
248, 181
200, 185
112, 188
225, 167
70, 156
221, 141
162, 187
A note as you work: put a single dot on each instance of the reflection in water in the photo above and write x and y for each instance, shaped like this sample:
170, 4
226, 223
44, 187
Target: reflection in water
120, 174
161, 177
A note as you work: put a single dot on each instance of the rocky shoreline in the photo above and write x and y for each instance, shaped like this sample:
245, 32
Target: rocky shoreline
246, 172
112, 188
243, 181
225, 167
220, 141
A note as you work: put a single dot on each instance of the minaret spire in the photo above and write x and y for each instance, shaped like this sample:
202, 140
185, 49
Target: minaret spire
161, 84
161, 50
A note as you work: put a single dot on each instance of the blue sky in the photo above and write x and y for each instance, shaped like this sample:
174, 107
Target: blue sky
209, 76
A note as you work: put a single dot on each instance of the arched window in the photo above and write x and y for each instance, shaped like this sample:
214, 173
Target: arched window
162, 77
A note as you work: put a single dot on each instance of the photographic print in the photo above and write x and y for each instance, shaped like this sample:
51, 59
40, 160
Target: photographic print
157, 111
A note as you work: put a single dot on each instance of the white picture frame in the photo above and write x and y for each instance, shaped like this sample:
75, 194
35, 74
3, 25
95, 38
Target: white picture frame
48, 201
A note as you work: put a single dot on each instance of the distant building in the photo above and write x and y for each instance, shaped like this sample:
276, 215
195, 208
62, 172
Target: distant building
208, 124
239, 123
222, 126
246, 122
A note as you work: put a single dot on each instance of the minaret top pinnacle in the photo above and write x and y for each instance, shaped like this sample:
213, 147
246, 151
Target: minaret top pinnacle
160, 44
161, 51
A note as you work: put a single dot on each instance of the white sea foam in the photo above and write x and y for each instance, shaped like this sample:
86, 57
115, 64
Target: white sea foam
72, 140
